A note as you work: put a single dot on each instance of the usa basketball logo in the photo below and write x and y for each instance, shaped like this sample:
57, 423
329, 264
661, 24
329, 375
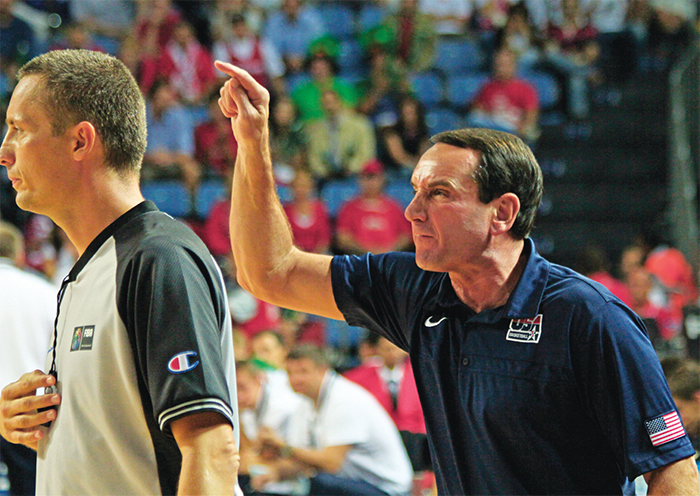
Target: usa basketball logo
525, 330
183, 362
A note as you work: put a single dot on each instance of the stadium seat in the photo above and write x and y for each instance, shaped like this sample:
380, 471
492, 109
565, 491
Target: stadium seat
172, 197
293, 81
339, 20
285, 193
336, 192
547, 88
208, 193
351, 56
427, 88
340, 335
370, 16
401, 191
442, 119
459, 56
461, 89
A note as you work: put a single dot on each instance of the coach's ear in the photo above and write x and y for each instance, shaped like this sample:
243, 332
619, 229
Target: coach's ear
505, 211
84, 140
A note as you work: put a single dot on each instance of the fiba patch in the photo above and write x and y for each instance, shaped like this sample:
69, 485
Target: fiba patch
664, 429
525, 330
82, 338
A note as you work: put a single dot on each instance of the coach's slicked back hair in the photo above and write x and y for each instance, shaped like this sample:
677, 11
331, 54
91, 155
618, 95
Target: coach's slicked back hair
507, 166
82, 85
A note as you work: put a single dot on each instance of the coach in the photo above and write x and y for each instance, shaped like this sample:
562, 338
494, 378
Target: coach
533, 379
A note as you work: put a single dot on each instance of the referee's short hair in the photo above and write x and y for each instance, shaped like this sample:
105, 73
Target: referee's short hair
311, 352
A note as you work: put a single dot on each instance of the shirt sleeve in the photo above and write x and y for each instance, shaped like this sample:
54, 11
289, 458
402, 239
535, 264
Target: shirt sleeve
625, 388
173, 306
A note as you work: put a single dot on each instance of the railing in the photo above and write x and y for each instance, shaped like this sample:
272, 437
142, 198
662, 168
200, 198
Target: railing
684, 159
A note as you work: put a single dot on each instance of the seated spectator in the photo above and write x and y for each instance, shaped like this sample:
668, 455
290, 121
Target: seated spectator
339, 433
292, 29
670, 32
215, 231
170, 149
215, 146
489, 17
572, 50
222, 11
505, 102
388, 375
667, 325
413, 38
262, 404
406, 140
521, 37
18, 42
684, 381
372, 222
111, 20
594, 263
308, 96
77, 35
185, 63
450, 17
341, 142
155, 23
288, 141
268, 350
308, 216
256, 55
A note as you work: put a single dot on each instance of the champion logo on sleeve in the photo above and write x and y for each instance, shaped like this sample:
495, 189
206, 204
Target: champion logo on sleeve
183, 362
665, 428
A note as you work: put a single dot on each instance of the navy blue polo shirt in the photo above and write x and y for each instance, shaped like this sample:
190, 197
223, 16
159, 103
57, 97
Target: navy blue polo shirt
552, 393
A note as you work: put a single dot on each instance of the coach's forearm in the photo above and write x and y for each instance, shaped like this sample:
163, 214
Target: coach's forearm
679, 478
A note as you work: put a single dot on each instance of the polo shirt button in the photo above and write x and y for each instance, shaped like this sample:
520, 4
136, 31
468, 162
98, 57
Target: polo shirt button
465, 361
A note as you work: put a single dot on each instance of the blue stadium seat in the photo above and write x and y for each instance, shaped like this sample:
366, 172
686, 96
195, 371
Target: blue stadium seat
427, 87
339, 20
401, 191
285, 193
547, 88
370, 16
458, 57
208, 193
172, 197
342, 336
351, 56
335, 193
442, 119
293, 81
461, 89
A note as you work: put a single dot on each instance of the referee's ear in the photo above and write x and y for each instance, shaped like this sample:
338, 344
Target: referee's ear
84, 141
505, 211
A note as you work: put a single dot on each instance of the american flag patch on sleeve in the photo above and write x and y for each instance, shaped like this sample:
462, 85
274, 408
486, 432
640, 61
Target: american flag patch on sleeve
665, 428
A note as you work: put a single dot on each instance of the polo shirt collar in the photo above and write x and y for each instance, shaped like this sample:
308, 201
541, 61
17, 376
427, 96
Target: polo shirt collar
525, 299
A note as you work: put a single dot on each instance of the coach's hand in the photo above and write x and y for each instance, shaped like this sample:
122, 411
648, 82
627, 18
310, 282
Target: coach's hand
247, 103
20, 420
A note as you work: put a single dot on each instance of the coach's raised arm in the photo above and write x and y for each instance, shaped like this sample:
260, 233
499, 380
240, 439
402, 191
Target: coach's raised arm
269, 266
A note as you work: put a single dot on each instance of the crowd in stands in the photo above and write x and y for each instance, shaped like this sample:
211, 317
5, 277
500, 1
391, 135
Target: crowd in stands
358, 87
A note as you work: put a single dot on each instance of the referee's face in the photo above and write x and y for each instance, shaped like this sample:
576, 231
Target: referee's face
451, 226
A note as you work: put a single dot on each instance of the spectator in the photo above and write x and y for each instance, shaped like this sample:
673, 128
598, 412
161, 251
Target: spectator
289, 144
292, 30
388, 375
684, 380
155, 23
269, 351
28, 308
505, 102
256, 55
77, 35
18, 42
340, 432
308, 97
490, 16
666, 325
308, 216
170, 151
571, 50
262, 405
372, 222
670, 31
521, 37
341, 142
594, 263
413, 37
215, 232
185, 63
224, 10
215, 147
450, 17
112, 20
408, 139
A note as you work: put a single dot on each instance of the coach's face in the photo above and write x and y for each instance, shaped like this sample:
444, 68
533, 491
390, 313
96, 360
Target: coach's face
450, 224
305, 377
37, 162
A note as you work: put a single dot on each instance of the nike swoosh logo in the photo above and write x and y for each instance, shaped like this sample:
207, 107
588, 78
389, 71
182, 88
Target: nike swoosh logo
430, 323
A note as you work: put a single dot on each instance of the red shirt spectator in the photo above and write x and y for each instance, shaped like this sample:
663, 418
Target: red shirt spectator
308, 216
